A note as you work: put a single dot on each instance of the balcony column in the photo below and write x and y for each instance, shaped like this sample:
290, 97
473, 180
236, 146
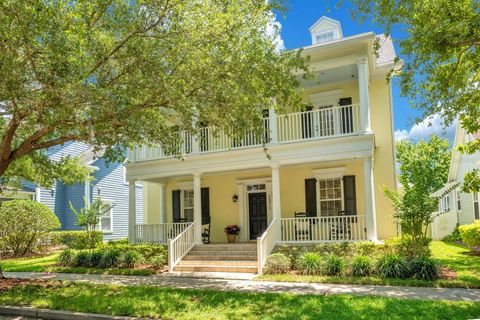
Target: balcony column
276, 200
272, 119
362, 65
370, 212
197, 206
132, 210
163, 205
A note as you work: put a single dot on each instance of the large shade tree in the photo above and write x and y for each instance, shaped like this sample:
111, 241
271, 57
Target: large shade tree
440, 46
118, 73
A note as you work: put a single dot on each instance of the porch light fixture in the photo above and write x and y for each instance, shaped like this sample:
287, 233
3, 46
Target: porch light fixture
235, 198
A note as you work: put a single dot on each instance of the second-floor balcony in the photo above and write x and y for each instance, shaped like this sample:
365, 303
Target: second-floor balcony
324, 123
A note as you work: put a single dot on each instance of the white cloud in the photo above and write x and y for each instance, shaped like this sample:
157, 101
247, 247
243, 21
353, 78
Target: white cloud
273, 30
422, 130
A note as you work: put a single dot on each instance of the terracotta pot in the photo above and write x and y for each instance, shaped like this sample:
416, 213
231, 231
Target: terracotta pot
231, 238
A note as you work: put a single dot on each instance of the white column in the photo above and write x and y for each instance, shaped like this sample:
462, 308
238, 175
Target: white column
242, 221
363, 77
197, 206
370, 212
132, 210
276, 200
163, 205
272, 119
38, 193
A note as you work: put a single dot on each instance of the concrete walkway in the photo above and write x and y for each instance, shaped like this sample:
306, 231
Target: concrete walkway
213, 283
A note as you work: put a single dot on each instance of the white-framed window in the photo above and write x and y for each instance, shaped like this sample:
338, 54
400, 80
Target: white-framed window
325, 36
446, 203
105, 222
459, 202
187, 205
330, 196
476, 205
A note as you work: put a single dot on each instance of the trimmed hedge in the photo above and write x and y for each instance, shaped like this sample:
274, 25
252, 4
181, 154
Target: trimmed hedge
470, 234
73, 239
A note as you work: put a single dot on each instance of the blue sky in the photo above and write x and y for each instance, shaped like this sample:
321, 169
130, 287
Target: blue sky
302, 14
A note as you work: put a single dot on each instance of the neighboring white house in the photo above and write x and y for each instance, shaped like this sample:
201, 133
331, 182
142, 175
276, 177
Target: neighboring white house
456, 207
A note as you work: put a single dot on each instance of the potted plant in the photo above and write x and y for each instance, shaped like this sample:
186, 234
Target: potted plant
232, 231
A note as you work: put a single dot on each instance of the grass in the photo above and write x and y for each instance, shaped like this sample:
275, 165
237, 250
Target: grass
450, 255
165, 303
49, 263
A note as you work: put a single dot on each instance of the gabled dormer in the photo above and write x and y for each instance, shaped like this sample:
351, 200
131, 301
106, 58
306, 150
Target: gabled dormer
326, 30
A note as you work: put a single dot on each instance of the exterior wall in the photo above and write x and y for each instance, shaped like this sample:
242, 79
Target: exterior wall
466, 164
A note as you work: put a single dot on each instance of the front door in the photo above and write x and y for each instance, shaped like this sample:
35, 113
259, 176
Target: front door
257, 213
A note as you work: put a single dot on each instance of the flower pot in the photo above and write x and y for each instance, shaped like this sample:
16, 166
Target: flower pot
231, 238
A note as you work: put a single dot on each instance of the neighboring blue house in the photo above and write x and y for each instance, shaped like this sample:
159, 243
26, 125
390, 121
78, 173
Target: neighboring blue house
109, 184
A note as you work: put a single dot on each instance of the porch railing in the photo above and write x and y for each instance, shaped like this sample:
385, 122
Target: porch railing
181, 245
266, 243
158, 233
291, 127
323, 229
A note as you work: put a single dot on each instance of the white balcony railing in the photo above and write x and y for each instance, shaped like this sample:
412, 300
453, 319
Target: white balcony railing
158, 233
292, 127
323, 229
181, 245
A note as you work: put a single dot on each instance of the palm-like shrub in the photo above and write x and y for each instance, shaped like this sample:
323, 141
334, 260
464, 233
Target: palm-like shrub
392, 266
131, 259
67, 258
82, 259
334, 265
310, 263
110, 258
423, 268
277, 263
362, 266
96, 258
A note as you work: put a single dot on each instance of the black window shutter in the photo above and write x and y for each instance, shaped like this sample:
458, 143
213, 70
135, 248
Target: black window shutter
205, 206
347, 115
350, 195
176, 205
311, 197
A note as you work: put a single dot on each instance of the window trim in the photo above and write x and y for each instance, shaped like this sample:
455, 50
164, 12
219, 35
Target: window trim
182, 203
458, 200
112, 204
334, 33
319, 200
477, 202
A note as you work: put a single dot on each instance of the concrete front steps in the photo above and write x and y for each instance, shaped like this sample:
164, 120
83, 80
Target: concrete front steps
235, 257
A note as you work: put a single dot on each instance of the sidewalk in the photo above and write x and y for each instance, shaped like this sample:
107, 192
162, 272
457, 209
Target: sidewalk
185, 282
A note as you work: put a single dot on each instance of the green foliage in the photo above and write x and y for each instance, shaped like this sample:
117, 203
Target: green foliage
454, 236
131, 259
392, 266
362, 266
409, 248
424, 268
336, 248
366, 248
310, 263
441, 55
277, 263
110, 258
83, 259
334, 265
96, 258
85, 71
23, 223
76, 239
158, 262
293, 253
67, 258
423, 170
88, 218
470, 234
146, 250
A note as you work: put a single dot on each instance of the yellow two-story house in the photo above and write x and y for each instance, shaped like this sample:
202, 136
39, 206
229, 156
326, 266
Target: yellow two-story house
322, 181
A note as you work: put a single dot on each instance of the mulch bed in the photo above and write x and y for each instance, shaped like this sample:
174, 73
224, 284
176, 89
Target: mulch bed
447, 273
8, 283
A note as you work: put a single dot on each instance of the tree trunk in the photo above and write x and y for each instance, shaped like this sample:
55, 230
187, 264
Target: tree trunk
1, 273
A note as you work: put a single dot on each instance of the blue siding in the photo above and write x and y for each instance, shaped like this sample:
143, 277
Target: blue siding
73, 194
67, 149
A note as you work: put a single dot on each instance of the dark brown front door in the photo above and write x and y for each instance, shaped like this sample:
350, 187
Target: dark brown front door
257, 212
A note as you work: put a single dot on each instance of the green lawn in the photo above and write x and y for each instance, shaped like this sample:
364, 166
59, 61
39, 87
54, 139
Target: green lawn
48, 263
450, 255
167, 303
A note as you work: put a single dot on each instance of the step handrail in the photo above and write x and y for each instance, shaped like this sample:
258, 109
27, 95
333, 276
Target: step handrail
265, 244
179, 246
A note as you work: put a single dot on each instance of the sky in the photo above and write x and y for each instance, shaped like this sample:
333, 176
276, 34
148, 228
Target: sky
301, 14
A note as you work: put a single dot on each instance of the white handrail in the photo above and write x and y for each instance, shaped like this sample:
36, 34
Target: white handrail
265, 244
158, 233
180, 246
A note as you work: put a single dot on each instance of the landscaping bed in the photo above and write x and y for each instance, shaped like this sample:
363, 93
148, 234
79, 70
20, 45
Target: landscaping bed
165, 303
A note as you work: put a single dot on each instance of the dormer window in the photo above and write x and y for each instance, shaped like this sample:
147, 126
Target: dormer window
325, 30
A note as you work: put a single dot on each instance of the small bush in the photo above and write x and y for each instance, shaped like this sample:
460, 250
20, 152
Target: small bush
454, 236
334, 265
157, 262
146, 250
336, 248
423, 268
392, 266
67, 258
131, 259
75, 239
310, 263
408, 248
96, 258
366, 248
277, 263
293, 253
23, 223
82, 259
110, 258
362, 266
470, 234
